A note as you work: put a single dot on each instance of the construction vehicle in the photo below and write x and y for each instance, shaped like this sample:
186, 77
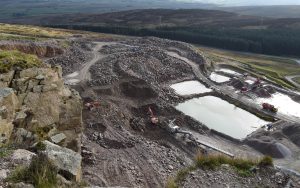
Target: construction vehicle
244, 89
174, 129
92, 105
257, 81
154, 120
269, 107
256, 84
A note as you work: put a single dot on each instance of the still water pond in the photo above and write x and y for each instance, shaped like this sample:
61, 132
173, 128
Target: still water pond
229, 71
190, 88
218, 78
221, 116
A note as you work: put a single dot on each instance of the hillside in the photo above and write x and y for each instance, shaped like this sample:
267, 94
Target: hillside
206, 27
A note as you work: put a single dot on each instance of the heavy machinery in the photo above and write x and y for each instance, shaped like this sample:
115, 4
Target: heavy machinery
244, 89
154, 120
174, 129
92, 105
256, 84
257, 81
269, 107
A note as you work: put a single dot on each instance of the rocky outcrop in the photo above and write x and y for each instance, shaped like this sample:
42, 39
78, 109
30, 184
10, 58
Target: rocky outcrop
8, 106
21, 156
67, 161
56, 139
6, 78
36, 104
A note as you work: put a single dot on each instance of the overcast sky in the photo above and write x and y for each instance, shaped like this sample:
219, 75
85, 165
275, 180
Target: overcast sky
248, 2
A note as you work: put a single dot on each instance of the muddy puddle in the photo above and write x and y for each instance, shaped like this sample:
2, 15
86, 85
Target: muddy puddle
190, 88
221, 116
284, 104
218, 78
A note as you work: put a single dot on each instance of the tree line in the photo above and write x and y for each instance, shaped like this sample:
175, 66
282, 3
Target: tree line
272, 41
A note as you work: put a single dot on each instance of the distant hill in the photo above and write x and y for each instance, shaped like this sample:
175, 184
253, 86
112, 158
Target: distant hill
274, 36
288, 11
25, 9
153, 18
12, 9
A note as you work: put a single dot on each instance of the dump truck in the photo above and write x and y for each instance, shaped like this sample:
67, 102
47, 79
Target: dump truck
269, 107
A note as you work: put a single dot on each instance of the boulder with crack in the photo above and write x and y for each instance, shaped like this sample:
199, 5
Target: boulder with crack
67, 161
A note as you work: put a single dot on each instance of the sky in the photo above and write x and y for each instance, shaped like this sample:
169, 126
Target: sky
247, 2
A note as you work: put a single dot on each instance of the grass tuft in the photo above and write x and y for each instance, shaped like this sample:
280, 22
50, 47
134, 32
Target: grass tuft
41, 173
40, 146
266, 161
212, 162
171, 183
42, 132
5, 150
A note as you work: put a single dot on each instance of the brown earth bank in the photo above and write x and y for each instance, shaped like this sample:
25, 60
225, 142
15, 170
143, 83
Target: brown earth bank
43, 50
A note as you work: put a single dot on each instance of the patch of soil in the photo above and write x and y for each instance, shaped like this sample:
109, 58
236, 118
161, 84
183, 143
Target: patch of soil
138, 90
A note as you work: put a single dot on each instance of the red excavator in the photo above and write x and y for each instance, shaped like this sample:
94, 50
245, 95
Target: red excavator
153, 118
269, 107
92, 105
257, 81
244, 89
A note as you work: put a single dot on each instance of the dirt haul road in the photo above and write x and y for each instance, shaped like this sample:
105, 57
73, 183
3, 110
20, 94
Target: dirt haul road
291, 79
83, 74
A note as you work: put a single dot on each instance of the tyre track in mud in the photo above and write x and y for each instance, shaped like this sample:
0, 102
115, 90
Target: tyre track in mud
112, 167
149, 174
